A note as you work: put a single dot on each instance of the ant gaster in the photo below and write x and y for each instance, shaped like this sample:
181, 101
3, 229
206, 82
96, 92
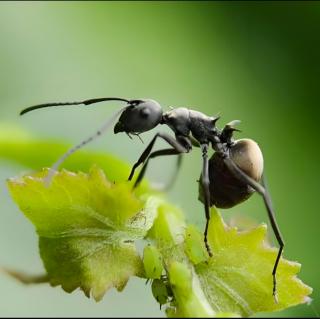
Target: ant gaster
231, 175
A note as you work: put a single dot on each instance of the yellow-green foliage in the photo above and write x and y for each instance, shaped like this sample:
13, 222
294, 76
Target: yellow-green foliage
88, 226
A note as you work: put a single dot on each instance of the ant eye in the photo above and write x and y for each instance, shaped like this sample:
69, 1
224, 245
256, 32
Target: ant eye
145, 112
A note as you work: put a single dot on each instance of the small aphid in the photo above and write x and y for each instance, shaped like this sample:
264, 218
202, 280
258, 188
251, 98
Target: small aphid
232, 175
161, 291
152, 262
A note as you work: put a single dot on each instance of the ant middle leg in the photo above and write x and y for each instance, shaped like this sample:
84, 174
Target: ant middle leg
205, 182
164, 152
178, 147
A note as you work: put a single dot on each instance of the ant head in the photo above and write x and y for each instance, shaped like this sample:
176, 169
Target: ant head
140, 116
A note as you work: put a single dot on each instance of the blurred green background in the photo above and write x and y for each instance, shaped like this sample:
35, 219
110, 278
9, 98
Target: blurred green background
258, 62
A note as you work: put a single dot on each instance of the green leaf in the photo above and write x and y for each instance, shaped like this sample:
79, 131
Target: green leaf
237, 280
87, 227
88, 224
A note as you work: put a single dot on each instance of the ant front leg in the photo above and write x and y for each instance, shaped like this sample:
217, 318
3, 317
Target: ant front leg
205, 182
263, 191
177, 148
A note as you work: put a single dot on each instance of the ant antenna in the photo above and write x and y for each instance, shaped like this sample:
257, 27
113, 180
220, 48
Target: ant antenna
85, 102
72, 150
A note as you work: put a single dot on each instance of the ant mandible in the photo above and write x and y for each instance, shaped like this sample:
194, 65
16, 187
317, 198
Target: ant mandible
231, 175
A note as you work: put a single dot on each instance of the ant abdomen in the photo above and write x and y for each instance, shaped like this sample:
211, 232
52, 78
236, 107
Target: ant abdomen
226, 190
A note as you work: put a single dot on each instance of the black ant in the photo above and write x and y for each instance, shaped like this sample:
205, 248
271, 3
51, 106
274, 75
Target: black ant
231, 175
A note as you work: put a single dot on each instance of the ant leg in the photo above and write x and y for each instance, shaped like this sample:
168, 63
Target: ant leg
169, 151
72, 150
275, 227
205, 182
169, 139
175, 174
263, 191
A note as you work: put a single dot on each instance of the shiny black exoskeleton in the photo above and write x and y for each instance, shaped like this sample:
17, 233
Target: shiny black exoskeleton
230, 177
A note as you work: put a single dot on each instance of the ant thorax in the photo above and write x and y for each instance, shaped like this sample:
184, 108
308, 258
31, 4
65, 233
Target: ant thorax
203, 127
178, 120
184, 121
